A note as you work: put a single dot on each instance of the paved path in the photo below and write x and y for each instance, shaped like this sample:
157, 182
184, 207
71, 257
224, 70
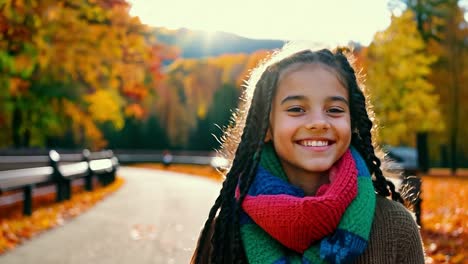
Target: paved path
154, 218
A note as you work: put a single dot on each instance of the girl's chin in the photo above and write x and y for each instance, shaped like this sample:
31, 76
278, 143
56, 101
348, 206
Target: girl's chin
317, 169
319, 166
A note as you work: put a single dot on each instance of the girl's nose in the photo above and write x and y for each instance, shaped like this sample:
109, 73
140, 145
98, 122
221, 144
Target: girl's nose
318, 123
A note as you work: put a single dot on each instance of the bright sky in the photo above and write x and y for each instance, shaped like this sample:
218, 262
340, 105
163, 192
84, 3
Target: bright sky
325, 21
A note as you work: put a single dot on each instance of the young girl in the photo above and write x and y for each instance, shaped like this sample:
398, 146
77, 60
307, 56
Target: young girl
305, 185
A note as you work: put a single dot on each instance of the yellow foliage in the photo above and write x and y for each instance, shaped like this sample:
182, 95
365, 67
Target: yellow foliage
83, 126
398, 66
201, 111
106, 105
71, 45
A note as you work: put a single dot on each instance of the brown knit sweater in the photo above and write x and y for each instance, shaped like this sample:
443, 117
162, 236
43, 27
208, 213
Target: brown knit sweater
394, 237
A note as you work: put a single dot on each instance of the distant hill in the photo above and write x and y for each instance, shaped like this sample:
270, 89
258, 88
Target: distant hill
199, 44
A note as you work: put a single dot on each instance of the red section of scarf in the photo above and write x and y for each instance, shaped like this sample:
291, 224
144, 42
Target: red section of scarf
297, 222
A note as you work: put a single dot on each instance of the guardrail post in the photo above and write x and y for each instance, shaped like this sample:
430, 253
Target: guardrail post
104, 176
27, 203
114, 168
54, 159
89, 176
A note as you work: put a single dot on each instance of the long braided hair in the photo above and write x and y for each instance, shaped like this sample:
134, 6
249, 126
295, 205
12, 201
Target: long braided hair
243, 142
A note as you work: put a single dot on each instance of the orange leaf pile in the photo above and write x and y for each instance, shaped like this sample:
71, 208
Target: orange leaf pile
445, 219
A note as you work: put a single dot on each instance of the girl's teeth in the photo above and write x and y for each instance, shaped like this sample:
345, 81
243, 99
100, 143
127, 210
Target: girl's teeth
315, 143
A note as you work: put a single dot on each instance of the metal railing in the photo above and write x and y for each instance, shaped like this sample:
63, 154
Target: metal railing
27, 172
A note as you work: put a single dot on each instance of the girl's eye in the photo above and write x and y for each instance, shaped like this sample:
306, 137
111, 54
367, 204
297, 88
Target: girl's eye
335, 110
296, 109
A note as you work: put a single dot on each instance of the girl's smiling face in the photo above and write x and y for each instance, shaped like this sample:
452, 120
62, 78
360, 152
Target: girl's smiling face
310, 123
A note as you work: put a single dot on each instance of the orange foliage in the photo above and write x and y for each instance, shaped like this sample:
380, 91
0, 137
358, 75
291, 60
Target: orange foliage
360, 62
445, 219
253, 61
158, 54
18, 86
186, 94
75, 48
82, 121
135, 91
135, 110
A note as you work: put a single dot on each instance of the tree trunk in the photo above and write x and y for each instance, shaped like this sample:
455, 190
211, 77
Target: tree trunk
16, 122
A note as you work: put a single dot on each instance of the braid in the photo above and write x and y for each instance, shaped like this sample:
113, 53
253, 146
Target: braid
362, 127
226, 240
363, 142
224, 233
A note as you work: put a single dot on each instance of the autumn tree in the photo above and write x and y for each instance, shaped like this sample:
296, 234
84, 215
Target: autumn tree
445, 30
197, 94
427, 15
209, 131
70, 65
398, 66
450, 75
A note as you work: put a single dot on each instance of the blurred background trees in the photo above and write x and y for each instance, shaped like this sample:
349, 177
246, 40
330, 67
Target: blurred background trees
398, 66
79, 74
443, 28
68, 66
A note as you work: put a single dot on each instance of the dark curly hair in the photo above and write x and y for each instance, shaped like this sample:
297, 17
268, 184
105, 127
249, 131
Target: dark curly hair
243, 142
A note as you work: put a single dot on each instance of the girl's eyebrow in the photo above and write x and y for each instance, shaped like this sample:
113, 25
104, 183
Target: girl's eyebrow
338, 98
293, 97
303, 98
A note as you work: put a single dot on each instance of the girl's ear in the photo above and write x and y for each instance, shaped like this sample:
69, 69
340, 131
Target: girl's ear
268, 136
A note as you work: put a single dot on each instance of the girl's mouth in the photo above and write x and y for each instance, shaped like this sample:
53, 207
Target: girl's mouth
314, 143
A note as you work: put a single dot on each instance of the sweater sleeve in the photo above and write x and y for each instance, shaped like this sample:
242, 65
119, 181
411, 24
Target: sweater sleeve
410, 246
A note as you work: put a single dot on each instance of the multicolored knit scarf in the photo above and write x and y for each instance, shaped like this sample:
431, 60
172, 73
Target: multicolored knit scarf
279, 224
